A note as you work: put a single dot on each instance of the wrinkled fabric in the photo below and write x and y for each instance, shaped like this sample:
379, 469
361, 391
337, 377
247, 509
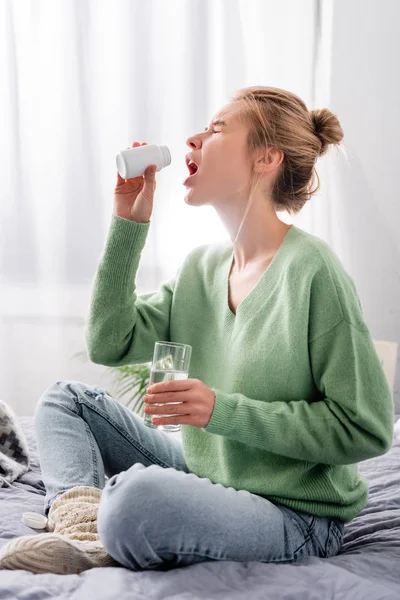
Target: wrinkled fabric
367, 566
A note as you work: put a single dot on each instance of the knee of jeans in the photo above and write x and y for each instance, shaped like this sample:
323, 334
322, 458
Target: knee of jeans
117, 509
60, 391
138, 495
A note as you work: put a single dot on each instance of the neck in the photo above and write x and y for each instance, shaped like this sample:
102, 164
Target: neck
259, 238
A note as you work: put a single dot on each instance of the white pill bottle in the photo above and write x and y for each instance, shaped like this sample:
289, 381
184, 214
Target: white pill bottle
133, 162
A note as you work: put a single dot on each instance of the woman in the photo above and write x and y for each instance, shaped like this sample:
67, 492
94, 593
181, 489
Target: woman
285, 395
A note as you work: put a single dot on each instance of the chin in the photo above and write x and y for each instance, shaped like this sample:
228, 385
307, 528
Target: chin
194, 198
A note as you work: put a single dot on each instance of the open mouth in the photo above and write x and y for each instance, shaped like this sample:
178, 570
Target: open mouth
192, 168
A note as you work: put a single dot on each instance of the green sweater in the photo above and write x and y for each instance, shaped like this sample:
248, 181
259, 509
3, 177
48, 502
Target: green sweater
301, 395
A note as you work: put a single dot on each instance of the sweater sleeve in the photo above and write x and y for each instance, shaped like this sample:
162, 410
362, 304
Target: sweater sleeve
122, 327
351, 422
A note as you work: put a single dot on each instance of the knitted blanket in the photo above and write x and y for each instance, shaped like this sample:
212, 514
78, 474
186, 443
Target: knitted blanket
14, 453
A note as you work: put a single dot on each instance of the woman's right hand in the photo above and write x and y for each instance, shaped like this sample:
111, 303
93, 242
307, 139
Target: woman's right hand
133, 198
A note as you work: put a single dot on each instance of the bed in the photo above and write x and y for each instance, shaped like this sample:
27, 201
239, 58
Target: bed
367, 567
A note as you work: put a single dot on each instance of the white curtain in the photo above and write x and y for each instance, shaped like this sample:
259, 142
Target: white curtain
82, 79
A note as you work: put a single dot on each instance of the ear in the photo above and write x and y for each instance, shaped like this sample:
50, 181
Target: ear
269, 160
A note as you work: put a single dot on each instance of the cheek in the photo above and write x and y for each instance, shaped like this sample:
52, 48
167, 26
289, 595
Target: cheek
226, 168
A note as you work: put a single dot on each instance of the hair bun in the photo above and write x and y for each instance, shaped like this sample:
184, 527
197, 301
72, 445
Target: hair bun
326, 127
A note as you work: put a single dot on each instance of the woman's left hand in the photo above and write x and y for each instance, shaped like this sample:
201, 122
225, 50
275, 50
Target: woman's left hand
198, 402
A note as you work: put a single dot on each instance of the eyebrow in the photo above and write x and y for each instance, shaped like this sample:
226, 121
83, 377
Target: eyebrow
217, 122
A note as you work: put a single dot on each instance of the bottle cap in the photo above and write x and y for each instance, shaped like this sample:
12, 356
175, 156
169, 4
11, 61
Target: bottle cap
34, 520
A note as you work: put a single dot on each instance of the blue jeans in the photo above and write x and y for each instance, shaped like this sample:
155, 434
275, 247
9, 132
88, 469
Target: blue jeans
154, 513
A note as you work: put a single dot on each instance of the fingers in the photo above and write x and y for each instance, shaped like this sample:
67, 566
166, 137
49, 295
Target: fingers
120, 180
168, 409
150, 172
149, 181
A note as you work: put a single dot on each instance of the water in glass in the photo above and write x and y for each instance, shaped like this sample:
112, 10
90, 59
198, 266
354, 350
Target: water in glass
155, 377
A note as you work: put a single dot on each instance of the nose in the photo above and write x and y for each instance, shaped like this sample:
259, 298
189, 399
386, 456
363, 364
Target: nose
193, 142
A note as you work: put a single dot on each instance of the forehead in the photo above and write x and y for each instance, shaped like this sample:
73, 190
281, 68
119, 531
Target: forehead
228, 113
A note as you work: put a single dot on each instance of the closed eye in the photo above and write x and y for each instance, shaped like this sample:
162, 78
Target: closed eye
205, 129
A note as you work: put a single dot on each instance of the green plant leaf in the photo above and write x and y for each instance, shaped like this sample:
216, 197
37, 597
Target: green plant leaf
125, 387
81, 355
132, 378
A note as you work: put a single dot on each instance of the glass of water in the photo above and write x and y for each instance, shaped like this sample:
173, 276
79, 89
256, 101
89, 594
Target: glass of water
170, 362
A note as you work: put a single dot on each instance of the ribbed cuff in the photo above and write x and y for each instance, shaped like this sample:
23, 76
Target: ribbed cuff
224, 407
124, 245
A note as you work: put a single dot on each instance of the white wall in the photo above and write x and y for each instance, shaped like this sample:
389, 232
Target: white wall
365, 91
40, 351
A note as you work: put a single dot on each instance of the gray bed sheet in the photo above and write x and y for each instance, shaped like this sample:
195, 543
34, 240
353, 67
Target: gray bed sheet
367, 567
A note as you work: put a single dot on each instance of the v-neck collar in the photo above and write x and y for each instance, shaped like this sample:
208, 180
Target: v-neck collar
263, 285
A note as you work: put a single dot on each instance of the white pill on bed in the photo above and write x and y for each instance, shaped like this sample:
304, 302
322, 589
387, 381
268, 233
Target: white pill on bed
34, 520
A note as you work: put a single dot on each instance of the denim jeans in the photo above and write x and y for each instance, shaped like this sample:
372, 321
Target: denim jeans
154, 513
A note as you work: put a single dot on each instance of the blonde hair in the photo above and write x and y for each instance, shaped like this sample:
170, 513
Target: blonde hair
280, 118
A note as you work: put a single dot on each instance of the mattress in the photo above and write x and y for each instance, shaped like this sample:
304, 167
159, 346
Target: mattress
367, 567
